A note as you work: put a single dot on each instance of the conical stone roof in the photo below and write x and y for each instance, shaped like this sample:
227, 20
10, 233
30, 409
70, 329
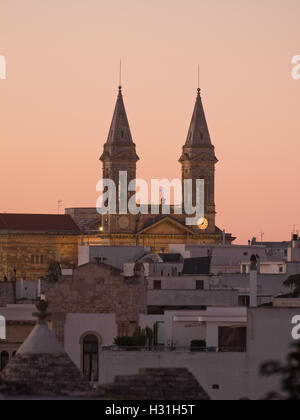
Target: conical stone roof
119, 144
42, 367
198, 134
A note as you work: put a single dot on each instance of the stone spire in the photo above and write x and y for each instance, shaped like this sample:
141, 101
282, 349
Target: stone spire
119, 155
198, 161
198, 134
119, 140
119, 130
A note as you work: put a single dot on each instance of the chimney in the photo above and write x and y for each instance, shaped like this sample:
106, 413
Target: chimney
295, 241
253, 282
22, 288
224, 237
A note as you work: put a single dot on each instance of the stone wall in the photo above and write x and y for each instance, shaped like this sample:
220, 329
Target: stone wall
17, 251
98, 288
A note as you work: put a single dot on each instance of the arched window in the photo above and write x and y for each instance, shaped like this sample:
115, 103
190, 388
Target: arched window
4, 359
91, 358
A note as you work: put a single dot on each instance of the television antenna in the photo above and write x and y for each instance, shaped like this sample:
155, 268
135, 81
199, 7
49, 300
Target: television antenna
59, 206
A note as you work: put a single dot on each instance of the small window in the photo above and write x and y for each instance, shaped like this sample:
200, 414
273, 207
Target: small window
37, 259
42, 259
233, 340
281, 269
4, 359
157, 285
199, 285
244, 301
32, 259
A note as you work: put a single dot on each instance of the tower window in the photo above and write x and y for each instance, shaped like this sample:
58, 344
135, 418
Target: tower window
37, 259
122, 134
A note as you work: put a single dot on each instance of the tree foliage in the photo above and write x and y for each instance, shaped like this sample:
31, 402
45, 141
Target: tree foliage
293, 282
290, 375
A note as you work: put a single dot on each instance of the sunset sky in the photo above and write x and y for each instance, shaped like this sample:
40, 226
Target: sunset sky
62, 77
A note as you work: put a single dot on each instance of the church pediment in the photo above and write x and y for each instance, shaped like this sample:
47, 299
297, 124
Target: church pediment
166, 226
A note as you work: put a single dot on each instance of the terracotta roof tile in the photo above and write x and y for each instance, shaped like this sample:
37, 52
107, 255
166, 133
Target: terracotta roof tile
38, 223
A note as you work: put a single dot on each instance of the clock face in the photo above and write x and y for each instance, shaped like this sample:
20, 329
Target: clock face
203, 223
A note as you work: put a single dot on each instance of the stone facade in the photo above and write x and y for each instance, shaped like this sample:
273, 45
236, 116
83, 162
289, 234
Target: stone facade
31, 254
30, 242
98, 288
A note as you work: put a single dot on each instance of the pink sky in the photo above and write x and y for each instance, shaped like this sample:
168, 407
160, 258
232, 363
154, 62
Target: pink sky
62, 75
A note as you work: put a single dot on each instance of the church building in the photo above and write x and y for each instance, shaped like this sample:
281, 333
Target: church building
157, 231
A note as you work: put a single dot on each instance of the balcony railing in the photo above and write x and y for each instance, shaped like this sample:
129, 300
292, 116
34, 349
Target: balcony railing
176, 349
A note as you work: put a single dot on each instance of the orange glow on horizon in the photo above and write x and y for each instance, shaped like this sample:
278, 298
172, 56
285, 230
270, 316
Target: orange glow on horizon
57, 102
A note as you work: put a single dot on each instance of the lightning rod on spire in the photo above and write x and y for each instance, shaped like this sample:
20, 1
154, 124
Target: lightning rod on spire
120, 74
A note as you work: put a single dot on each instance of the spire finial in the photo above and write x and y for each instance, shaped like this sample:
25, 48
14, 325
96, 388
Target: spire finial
42, 314
120, 77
